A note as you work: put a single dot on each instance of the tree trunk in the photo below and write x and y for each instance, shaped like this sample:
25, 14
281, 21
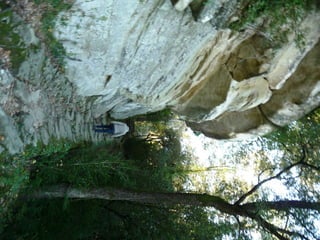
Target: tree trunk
247, 210
153, 198
282, 205
156, 198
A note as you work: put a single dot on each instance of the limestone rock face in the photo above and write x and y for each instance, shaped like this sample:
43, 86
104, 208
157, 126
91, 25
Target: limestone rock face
291, 88
140, 56
299, 94
130, 54
144, 56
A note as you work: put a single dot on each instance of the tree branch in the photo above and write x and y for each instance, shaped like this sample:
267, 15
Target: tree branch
268, 226
283, 205
305, 164
274, 230
257, 186
239, 226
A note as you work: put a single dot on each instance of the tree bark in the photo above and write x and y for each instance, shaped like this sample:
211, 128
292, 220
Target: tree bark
157, 198
153, 198
281, 205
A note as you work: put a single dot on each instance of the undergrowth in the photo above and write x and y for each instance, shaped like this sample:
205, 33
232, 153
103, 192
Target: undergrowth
81, 165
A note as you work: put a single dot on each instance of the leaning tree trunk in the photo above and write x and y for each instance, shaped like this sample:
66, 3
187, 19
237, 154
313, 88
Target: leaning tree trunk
249, 210
153, 198
169, 199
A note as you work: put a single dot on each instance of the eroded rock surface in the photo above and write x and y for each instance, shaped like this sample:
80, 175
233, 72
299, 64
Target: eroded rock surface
290, 90
147, 56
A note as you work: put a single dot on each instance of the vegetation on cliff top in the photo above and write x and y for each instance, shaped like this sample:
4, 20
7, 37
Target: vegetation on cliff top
274, 19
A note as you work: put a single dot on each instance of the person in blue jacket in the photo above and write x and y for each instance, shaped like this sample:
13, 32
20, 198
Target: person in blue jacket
115, 129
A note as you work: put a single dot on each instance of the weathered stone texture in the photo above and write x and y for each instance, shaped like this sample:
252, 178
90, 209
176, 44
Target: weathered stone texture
151, 56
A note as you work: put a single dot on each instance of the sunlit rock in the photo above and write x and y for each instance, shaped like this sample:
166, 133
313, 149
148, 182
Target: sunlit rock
217, 12
299, 94
242, 96
290, 90
131, 54
182, 4
144, 56
134, 57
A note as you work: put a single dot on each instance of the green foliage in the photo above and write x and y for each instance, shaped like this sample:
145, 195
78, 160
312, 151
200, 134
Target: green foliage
84, 165
59, 162
88, 165
97, 219
299, 133
49, 220
279, 17
159, 155
300, 142
10, 39
15, 171
13, 177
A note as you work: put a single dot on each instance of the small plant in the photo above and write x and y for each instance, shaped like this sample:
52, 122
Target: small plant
81, 165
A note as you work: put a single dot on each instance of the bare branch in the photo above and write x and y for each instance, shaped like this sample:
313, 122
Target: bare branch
239, 225
257, 186
274, 230
305, 164
283, 205
268, 226
286, 169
